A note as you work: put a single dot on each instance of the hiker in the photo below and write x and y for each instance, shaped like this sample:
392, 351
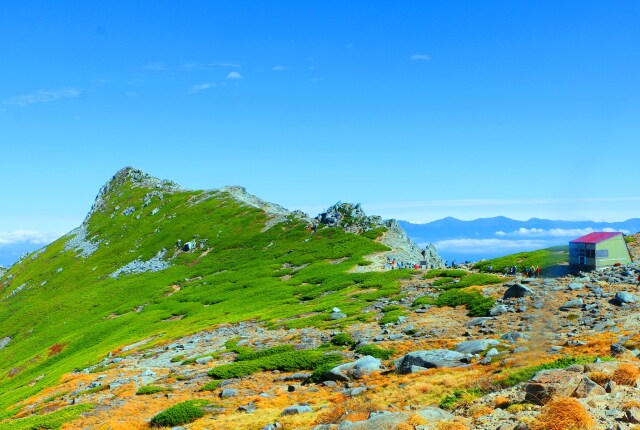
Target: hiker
537, 271
490, 268
393, 264
638, 285
506, 270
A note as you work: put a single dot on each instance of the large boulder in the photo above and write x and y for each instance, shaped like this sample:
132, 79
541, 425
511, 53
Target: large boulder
548, 383
354, 370
476, 346
624, 297
435, 358
295, 410
588, 388
516, 291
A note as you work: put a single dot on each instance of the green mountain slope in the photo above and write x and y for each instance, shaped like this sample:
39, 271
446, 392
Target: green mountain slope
155, 261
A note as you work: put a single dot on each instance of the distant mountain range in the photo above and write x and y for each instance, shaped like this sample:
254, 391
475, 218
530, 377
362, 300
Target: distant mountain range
491, 237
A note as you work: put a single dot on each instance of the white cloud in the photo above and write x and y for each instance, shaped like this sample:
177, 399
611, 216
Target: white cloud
554, 232
279, 68
27, 236
43, 96
234, 75
209, 66
488, 246
202, 87
157, 66
420, 57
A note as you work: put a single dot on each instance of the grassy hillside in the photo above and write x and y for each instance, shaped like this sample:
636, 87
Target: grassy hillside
545, 258
65, 309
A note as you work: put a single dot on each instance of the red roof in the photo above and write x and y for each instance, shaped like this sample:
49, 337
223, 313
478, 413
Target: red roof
596, 237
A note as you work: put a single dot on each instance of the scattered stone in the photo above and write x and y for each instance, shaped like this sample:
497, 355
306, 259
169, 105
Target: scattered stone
204, 360
295, 410
498, 310
624, 297
548, 383
516, 291
588, 388
436, 358
228, 392
476, 346
575, 286
337, 316
573, 304
355, 370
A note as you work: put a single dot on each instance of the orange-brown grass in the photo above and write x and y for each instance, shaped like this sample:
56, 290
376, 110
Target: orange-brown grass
56, 348
563, 413
458, 424
346, 409
630, 404
600, 378
626, 374
480, 411
597, 344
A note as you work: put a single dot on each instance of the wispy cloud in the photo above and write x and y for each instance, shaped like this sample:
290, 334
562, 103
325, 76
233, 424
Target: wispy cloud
279, 68
26, 236
420, 57
202, 87
234, 75
209, 66
554, 232
157, 66
482, 245
43, 96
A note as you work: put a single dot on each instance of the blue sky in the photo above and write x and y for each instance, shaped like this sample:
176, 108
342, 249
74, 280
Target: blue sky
419, 110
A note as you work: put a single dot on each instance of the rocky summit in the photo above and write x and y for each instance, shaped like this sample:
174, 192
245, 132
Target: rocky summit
213, 309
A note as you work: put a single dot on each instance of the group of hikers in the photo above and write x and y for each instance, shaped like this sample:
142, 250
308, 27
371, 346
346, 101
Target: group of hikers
529, 272
393, 264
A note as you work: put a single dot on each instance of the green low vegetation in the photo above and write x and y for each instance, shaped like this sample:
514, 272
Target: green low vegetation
343, 339
477, 304
477, 279
544, 258
285, 362
211, 385
450, 402
392, 314
445, 273
526, 373
375, 351
53, 420
181, 413
239, 271
152, 389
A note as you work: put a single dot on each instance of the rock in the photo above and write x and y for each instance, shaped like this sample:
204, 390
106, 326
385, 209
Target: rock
377, 421
588, 388
633, 415
129, 210
299, 376
295, 410
337, 316
516, 291
624, 297
479, 321
476, 346
274, 426
247, 408
573, 304
575, 286
204, 360
491, 353
433, 414
148, 373
498, 310
610, 386
352, 392
548, 383
336, 310
355, 370
4, 341
436, 358
189, 246
228, 392
95, 384
513, 336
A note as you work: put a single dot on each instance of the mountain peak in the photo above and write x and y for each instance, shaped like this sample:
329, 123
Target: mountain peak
129, 177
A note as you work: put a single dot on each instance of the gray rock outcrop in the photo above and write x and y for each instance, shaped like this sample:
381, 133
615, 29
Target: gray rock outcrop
435, 358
